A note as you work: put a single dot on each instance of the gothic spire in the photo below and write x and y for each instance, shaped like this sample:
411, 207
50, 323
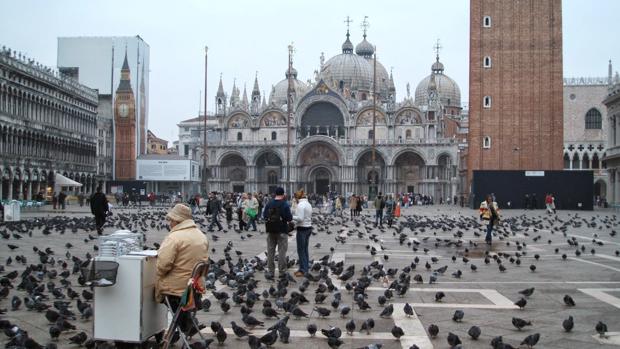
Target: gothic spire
220, 88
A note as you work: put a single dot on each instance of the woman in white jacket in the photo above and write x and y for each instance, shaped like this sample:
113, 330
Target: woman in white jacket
303, 220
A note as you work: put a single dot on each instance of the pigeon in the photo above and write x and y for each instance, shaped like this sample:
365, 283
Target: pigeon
334, 343
568, 324
527, 292
54, 332
568, 300
474, 332
333, 332
408, 310
239, 331
284, 333
520, 323
311, 328
453, 340
397, 332
458, 316
601, 328
344, 311
531, 340
350, 327
221, 335
78, 338
269, 338
439, 296
521, 303
387, 311
433, 330
367, 326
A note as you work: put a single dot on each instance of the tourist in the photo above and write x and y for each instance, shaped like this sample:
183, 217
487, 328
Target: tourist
54, 200
353, 205
62, 200
303, 220
228, 208
214, 206
277, 215
80, 197
489, 212
241, 216
250, 208
99, 208
181, 249
338, 205
390, 207
379, 205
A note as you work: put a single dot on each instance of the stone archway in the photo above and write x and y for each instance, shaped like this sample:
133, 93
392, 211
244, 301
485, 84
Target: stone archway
370, 175
312, 157
268, 171
233, 169
409, 172
600, 189
320, 180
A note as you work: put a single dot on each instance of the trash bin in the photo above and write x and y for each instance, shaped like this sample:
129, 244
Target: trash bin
12, 211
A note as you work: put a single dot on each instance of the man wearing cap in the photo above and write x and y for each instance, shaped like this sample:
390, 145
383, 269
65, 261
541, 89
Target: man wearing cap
303, 220
277, 214
181, 249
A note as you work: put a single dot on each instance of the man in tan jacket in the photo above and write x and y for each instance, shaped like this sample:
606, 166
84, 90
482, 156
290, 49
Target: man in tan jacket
185, 246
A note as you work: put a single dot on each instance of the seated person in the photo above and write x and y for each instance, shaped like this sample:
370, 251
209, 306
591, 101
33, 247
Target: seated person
185, 246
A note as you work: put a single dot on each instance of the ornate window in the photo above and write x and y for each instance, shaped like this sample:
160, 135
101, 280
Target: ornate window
594, 120
272, 177
408, 134
371, 134
274, 136
239, 136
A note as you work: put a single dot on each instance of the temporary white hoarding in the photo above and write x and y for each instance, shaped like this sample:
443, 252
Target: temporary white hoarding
167, 170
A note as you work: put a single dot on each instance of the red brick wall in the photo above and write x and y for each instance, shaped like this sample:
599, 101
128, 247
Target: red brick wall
525, 83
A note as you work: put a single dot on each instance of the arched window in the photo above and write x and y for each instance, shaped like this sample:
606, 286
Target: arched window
239, 136
274, 136
486, 21
594, 120
371, 134
487, 62
272, 177
408, 134
487, 101
486, 143
566, 161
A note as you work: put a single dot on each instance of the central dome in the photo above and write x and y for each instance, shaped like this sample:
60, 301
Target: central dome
347, 70
279, 91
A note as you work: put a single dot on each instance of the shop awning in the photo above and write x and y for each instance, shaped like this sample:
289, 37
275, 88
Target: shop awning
63, 181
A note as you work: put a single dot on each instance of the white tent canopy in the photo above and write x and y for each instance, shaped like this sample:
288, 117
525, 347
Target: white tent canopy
62, 181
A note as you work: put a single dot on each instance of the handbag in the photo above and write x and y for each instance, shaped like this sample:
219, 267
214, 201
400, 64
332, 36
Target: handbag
251, 212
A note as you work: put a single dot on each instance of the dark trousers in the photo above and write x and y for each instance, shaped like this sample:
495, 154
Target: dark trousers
184, 321
303, 240
215, 220
99, 221
252, 222
379, 217
489, 235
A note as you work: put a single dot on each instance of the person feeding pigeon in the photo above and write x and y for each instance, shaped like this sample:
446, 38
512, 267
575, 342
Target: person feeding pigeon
489, 212
277, 214
181, 249
303, 220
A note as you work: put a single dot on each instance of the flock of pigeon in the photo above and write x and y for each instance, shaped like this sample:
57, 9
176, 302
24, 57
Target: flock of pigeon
332, 301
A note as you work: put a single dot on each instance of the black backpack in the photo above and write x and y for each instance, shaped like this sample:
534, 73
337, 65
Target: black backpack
274, 221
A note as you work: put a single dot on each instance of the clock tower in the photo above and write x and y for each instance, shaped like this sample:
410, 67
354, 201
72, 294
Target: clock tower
125, 127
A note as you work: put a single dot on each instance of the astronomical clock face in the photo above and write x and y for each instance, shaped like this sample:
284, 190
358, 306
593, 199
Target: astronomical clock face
123, 110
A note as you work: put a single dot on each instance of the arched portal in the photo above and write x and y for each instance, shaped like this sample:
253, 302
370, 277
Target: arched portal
312, 157
234, 171
409, 172
268, 172
370, 175
600, 189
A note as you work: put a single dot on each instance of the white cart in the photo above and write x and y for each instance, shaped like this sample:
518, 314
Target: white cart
127, 311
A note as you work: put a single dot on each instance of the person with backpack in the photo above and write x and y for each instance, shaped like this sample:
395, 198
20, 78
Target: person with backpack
214, 206
303, 220
277, 215
379, 205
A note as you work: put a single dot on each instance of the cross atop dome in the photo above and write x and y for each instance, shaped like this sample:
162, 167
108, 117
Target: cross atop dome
348, 21
365, 25
437, 48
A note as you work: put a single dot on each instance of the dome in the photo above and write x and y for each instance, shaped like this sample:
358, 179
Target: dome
293, 72
365, 49
279, 91
448, 90
355, 72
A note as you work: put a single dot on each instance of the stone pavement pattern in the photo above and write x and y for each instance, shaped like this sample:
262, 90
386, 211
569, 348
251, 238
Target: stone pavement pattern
486, 296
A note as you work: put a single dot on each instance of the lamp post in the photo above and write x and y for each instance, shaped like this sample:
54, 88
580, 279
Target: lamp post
204, 145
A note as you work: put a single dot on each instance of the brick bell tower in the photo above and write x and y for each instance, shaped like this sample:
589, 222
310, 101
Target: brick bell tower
125, 126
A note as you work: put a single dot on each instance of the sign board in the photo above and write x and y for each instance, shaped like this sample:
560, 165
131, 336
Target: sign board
164, 170
534, 173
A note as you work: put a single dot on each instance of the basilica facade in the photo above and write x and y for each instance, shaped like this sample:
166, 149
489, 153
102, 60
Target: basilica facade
332, 126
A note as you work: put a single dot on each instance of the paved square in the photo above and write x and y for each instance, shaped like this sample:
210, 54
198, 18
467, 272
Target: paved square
432, 235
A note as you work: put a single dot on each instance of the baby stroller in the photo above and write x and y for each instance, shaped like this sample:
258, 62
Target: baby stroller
186, 309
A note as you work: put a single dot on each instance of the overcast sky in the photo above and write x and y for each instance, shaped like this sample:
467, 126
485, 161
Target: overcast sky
249, 36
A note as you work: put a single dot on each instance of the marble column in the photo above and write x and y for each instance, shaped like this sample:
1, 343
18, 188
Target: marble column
30, 196
10, 188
